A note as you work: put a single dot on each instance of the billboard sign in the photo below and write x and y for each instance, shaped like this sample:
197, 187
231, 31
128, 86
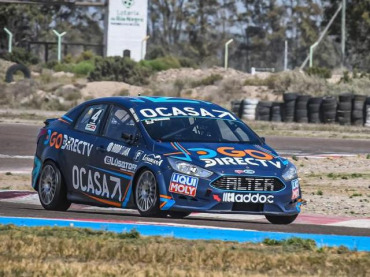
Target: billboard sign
126, 27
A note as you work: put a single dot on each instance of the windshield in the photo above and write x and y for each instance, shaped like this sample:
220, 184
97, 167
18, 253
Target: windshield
199, 129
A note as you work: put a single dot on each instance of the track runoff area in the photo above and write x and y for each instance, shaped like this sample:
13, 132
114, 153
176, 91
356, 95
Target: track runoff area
23, 208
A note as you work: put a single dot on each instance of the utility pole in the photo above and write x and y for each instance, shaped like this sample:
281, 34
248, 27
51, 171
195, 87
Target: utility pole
10, 39
59, 44
226, 63
344, 6
286, 56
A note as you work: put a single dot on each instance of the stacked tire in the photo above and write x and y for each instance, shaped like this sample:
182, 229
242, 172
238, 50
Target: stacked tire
263, 110
329, 109
314, 105
276, 111
358, 110
301, 112
367, 110
289, 106
235, 107
248, 109
344, 109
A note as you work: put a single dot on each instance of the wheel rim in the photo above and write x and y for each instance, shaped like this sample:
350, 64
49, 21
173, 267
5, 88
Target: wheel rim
48, 184
146, 191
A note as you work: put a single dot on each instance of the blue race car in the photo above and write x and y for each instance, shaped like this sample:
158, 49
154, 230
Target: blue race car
162, 156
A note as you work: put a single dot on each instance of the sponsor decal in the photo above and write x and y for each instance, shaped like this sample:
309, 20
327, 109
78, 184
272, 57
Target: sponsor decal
99, 184
217, 198
138, 155
247, 198
134, 115
90, 127
245, 171
121, 164
68, 143
183, 184
295, 189
241, 161
118, 149
152, 159
185, 111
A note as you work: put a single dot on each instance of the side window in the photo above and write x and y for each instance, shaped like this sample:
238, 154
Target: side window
119, 122
91, 118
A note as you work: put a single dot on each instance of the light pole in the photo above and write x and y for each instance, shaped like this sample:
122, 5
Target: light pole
344, 6
142, 46
312, 48
59, 44
10, 39
227, 52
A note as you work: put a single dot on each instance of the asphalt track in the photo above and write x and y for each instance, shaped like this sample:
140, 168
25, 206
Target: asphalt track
17, 145
18, 142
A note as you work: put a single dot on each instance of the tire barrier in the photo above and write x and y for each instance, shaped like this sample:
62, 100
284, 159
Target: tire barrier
289, 106
235, 107
314, 105
301, 112
329, 109
9, 75
263, 110
367, 111
276, 111
344, 109
248, 109
358, 109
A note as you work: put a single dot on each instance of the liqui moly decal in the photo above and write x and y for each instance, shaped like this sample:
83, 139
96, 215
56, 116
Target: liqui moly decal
183, 184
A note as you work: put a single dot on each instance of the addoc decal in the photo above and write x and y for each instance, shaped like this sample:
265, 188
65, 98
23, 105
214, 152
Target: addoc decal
152, 159
65, 142
97, 183
183, 184
185, 111
247, 198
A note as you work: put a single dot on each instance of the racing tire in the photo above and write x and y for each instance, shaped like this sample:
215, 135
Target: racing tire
52, 189
281, 219
147, 195
13, 69
179, 215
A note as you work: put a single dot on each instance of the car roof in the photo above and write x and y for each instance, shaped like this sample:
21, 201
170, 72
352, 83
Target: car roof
150, 101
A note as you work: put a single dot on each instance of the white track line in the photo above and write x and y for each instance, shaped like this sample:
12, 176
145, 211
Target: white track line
5, 156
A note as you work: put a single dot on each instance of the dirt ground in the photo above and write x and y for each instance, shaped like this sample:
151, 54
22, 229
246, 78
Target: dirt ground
331, 186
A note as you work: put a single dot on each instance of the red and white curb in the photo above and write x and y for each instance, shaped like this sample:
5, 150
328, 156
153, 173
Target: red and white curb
31, 197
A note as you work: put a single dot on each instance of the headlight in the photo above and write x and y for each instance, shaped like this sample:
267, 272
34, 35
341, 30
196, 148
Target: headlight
290, 172
189, 169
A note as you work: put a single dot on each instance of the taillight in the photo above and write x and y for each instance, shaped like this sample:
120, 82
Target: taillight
41, 133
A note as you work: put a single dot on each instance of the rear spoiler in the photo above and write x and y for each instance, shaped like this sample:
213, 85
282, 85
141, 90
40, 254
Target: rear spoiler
49, 120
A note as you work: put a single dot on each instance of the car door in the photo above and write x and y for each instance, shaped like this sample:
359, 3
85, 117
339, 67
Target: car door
79, 147
115, 159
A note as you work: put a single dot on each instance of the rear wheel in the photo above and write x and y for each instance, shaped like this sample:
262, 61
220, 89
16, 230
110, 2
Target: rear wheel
174, 214
146, 195
281, 219
52, 190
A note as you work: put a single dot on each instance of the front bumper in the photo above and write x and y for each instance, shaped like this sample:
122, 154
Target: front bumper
214, 200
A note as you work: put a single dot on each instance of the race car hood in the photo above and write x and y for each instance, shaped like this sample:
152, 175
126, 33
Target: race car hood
226, 158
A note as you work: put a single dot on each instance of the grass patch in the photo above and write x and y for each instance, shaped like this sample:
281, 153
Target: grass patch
46, 251
207, 81
355, 195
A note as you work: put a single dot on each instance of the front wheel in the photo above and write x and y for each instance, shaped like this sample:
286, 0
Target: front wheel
281, 219
146, 195
52, 190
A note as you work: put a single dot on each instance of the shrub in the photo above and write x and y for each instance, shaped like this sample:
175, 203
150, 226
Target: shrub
119, 69
83, 68
85, 56
321, 72
207, 81
20, 55
161, 63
